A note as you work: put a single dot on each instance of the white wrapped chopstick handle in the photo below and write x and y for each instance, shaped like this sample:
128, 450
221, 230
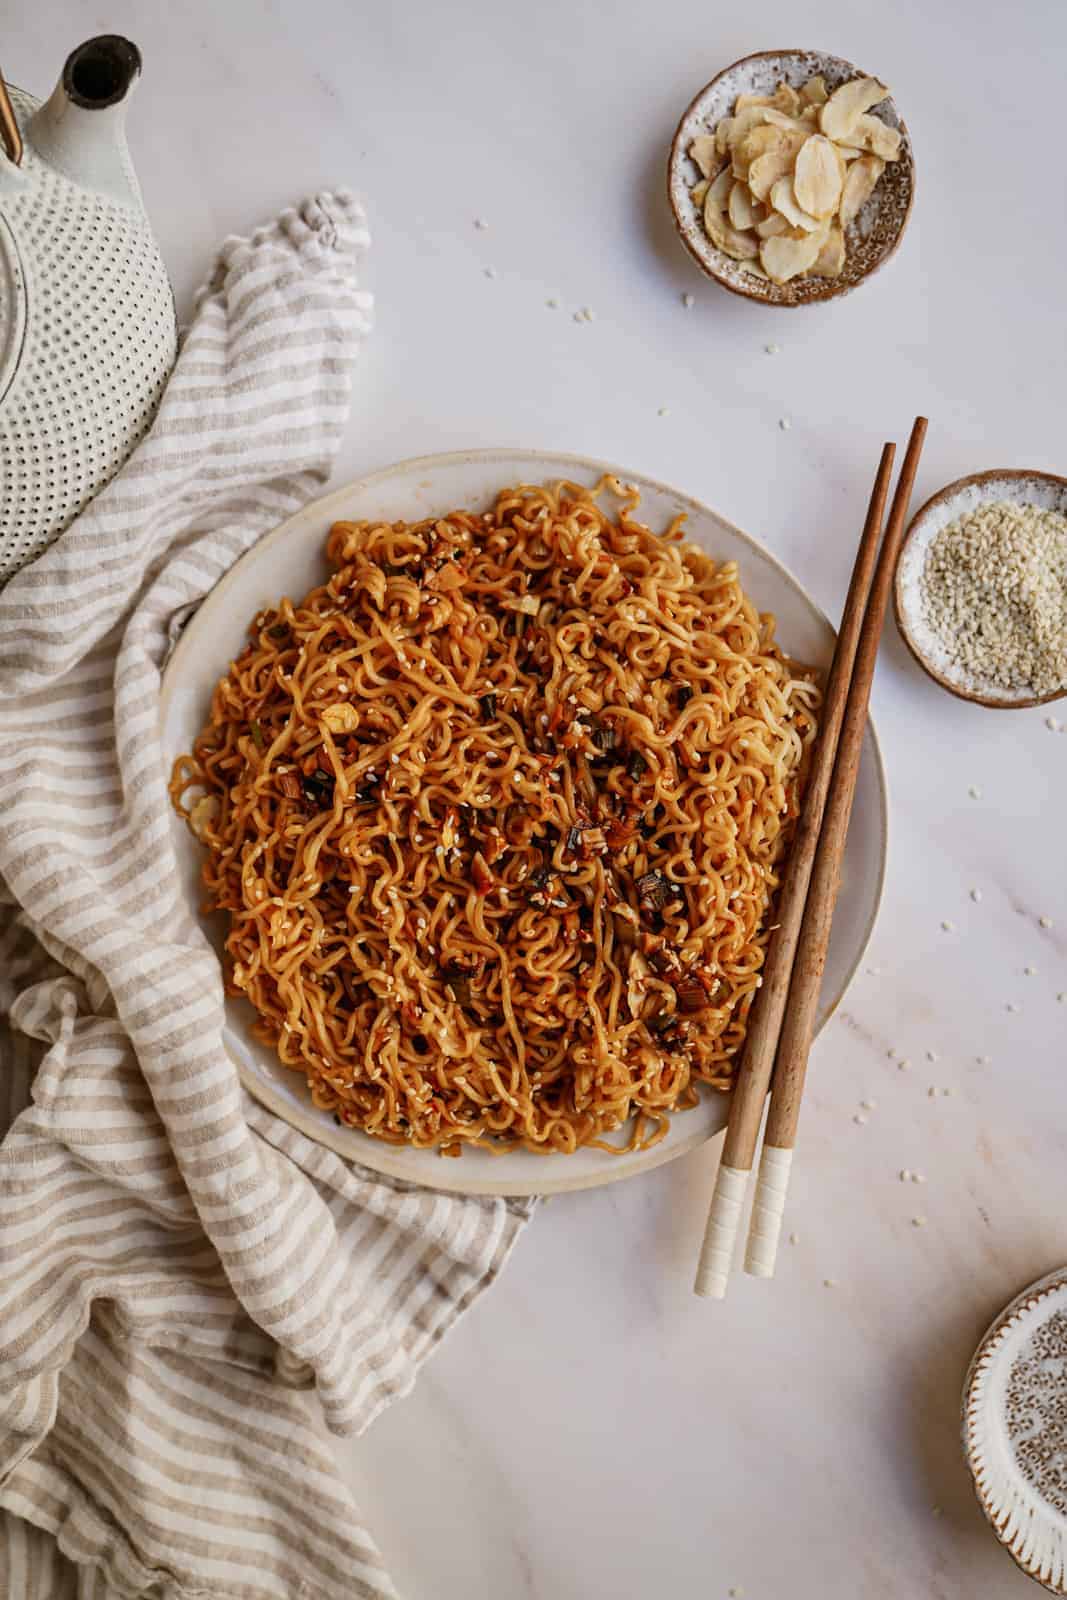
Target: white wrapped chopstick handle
720, 1235
768, 1209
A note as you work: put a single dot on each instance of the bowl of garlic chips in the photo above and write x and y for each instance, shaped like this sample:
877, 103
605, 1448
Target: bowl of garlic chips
791, 177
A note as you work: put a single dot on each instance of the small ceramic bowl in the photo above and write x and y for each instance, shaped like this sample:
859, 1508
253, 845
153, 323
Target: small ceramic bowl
1043, 489
1015, 1429
871, 239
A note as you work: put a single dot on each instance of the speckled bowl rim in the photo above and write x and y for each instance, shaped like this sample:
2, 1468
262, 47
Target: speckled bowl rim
900, 611
834, 289
977, 1372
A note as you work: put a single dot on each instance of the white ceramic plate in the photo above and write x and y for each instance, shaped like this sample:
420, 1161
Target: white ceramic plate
290, 561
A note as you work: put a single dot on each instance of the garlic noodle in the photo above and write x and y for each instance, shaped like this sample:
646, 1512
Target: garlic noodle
496, 817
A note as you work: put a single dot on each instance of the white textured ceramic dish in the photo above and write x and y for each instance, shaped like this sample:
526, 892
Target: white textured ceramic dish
1022, 487
1015, 1429
871, 239
290, 561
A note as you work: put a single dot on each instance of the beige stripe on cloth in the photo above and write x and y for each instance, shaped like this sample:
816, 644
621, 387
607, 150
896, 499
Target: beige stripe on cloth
175, 1263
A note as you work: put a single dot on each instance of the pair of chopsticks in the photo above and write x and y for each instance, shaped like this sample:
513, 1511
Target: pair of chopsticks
782, 1021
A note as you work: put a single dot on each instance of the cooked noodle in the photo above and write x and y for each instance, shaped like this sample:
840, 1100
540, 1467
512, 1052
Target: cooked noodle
496, 816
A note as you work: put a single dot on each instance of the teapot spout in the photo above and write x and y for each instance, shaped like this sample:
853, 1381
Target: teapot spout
81, 128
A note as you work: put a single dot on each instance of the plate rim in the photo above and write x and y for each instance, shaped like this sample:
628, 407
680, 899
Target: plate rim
389, 1159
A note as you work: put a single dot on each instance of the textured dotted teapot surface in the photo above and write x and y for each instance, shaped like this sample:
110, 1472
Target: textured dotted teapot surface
87, 342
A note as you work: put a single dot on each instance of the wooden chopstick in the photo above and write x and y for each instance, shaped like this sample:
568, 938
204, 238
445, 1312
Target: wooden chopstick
765, 1020
799, 1022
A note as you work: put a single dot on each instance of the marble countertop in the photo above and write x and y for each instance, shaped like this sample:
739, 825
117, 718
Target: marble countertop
591, 1428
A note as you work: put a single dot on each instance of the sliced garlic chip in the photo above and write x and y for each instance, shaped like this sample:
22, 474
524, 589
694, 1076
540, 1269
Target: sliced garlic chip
699, 191
756, 267
785, 121
818, 177
766, 170
742, 246
871, 133
722, 135
772, 226
204, 813
744, 121
830, 261
719, 191
859, 186
814, 92
703, 151
784, 199
743, 211
786, 99
760, 142
846, 105
340, 717
784, 258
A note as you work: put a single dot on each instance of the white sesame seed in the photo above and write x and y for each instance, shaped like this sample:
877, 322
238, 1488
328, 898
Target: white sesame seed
904, 1175
983, 1061
974, 792
976, 895
902, 1066
1012, 1006
874, 972
932, 1092
1052, 724
785, 424
949, 927
891, 1053
688, 301
860, 1118
946, 1092
917, 1177
1030, 972
772, 349
794, 1238
918, 1222
1044, 922
490, 272
553, 305
869, 1105
1062, 996
480, 222
992, 592
663, 412
829, 1283
737, 1593
931, 1055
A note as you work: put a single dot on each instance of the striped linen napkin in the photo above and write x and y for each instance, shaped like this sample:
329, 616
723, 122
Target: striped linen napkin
176, 1263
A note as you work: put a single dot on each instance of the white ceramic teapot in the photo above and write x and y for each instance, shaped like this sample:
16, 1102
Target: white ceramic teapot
87, 328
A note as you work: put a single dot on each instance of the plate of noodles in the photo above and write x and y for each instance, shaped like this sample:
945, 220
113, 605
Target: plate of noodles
485, 770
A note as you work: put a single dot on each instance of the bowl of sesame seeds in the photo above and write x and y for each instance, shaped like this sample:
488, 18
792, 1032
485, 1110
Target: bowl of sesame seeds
981, 588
